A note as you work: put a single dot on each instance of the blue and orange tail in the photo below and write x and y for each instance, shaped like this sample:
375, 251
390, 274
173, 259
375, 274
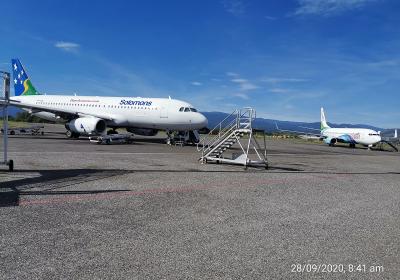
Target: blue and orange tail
22, 84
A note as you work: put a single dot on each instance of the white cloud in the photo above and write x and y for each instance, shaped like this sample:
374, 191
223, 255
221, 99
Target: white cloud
67, 46
234, 7
270, 18
248, 86
216, 80
328, 7
383, 63
195, 83
283, 80
245, 85
241, 95
232, 74
239, 80
279, 90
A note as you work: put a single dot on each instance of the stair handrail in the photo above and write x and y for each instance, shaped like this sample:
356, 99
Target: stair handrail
245, 114
218, 144
219, 127
216, 139
214, 142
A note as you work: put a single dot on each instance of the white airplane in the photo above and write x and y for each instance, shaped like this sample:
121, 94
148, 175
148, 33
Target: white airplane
91, 115
352, 136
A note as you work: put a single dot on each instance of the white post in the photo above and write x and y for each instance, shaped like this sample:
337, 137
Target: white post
6, 90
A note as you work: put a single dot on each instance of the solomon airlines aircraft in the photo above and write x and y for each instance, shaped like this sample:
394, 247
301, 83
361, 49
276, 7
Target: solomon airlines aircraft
352, 136
91, 115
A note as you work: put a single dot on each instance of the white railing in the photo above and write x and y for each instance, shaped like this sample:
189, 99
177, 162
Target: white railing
238, 119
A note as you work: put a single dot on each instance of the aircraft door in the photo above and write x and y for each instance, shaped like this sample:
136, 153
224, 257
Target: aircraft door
164, 112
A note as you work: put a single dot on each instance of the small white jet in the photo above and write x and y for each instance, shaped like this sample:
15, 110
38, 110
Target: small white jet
91, 115
352, 136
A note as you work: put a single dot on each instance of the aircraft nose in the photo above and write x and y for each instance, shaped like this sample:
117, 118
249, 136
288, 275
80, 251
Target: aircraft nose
201, 120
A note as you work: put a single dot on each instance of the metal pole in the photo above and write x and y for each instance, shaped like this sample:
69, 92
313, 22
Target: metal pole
6, 78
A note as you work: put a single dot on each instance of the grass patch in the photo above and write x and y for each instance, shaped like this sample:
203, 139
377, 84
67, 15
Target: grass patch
14, 124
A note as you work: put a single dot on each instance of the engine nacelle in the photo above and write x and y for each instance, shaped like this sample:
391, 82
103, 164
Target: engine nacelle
142, 131
87, 125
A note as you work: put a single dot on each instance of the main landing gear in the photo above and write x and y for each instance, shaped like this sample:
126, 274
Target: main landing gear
170, 138
72, 135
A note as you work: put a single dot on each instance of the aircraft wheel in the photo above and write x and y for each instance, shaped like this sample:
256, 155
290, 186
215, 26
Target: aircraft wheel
11, 165
68, 134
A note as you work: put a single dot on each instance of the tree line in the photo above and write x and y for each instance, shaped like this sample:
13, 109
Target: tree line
27, 117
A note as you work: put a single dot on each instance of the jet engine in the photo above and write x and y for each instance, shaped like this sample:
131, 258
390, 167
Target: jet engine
87, 125
142, 131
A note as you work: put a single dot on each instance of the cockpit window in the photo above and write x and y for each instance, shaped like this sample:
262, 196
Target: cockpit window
187, 109
373, 134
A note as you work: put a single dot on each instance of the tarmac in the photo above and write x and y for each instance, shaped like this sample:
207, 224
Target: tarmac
77, 210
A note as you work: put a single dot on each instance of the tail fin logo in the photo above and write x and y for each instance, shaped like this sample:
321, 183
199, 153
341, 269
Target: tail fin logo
22, 84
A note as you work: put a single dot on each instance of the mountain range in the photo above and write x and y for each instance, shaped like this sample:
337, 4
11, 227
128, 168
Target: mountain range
269, 124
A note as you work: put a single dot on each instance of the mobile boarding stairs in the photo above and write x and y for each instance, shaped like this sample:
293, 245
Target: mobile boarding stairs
235, 132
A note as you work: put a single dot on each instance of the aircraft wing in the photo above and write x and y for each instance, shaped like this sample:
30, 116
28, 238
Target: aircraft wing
310, 128
61, 112
298, 132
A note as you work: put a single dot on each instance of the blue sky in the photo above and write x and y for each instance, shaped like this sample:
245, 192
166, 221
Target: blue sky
285, 58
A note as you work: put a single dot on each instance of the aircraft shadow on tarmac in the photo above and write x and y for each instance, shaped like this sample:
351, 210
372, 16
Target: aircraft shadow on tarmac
50, 180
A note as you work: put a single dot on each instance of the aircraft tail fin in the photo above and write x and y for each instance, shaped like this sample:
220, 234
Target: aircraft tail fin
324, 125
22, 84
395, 133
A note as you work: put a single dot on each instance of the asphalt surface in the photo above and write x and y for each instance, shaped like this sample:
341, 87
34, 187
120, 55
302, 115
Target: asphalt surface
75, 210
